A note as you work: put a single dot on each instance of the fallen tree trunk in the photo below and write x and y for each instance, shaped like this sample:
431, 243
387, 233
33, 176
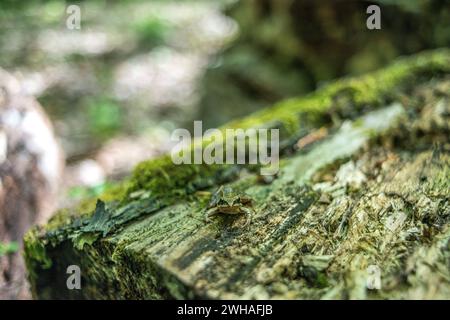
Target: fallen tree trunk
361, 210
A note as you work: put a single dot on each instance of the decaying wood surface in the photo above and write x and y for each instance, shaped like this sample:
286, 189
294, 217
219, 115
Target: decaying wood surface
360, 211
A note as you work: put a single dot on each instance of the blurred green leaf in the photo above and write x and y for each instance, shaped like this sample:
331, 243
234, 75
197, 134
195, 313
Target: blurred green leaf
152, 31
8, 248
105, 117
80, 192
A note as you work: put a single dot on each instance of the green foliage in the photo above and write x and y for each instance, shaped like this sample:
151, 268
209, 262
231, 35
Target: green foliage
35, 252
152, 32
80, 192
105, 117
8, 248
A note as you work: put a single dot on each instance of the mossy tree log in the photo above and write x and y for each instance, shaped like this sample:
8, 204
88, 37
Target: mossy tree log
368, 190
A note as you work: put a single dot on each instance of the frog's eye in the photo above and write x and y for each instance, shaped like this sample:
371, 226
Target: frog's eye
222, 202
237, 200
227, 191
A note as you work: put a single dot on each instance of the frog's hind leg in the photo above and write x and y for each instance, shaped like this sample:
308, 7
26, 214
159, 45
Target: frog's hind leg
248, 222
211, 212
248, 213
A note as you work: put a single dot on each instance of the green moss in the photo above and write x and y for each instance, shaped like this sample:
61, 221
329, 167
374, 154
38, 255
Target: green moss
58, 227
115, 191
85, 208
371, 89
162, 177
35, 249
62, 217
441, 183
35, 254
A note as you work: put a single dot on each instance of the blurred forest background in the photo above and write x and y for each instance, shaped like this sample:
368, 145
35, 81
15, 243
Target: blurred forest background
115, 89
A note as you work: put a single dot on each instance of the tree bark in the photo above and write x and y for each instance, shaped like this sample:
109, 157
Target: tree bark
31, 164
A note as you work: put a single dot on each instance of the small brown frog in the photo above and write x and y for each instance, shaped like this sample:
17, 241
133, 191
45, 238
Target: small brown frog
225, 201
